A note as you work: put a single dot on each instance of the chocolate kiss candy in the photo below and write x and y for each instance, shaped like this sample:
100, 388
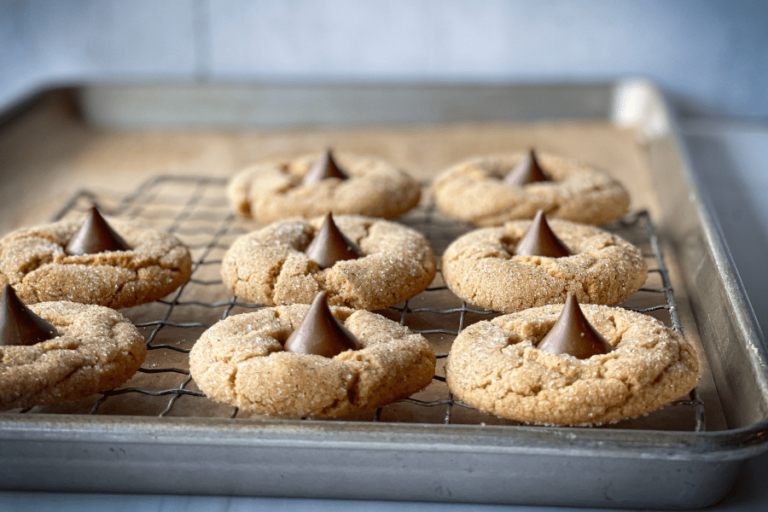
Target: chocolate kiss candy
323, 169
527, 171
572, 334
320, 333
541, 241
330, 245
19, 325
94, 236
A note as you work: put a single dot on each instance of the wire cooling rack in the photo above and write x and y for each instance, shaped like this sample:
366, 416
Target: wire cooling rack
197, 211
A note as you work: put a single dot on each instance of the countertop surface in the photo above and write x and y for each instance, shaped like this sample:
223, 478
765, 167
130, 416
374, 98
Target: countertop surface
730, 158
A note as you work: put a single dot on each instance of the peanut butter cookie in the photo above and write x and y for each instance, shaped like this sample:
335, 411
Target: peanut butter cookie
273, 190
96, 349
34, 261
482, 268
474, 191
495, 367
270, 266
241, 361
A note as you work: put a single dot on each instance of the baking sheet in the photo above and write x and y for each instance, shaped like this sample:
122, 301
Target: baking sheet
636, 143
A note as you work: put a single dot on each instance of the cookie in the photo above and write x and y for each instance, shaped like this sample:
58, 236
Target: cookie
495, 367
473, 192
96, 349
240, 361
269, 266
481, 269
34, 261
273, 190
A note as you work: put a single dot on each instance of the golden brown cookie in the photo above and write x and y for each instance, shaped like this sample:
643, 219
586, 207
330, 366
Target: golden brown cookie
473, 191
33, 261
480, 268
269, 266
241, 361
495, 367
272, 190
97, 349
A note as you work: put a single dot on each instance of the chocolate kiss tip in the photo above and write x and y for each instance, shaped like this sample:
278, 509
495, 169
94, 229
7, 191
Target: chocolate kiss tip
572, 334
95, 236
539, 240
19, 325
330, 245
527, 171
325, 167
320, 333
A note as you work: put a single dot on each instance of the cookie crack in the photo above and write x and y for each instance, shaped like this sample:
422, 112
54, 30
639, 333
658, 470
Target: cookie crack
351, 396
31, 288
32, 265
483, 382
365, 236
70, 374
46, 389
42, 235
333, 405
233, 381
272, 278
131, 265
499, 256
352, 391
119, 288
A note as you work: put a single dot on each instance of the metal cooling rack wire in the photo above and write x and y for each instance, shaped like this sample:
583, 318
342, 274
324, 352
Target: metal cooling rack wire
185, 212
134, 204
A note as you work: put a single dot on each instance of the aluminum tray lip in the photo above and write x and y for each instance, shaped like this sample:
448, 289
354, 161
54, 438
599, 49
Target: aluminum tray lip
726, 445
712, 227
665, 125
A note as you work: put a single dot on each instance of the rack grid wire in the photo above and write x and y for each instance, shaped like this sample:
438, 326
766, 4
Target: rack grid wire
196, 210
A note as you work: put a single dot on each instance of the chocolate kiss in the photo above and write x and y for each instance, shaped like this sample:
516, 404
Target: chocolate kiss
94, 236
572, 334
330, 245
19, 325
527, 171
324, 168
541, 241
320, 333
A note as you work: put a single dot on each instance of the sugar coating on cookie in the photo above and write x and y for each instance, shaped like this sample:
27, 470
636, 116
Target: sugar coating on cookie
495, 367
271, 191
33, 261
473, 191
241, 361
481, 268
97, 349
269, 266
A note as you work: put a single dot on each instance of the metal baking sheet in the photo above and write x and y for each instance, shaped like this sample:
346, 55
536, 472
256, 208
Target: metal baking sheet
416, 455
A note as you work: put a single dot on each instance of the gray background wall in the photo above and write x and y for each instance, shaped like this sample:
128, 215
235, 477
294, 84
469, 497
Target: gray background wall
710, 55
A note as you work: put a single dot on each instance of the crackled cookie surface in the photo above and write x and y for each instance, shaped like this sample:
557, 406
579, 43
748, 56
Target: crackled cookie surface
241, 361
33, 261
495, 367
473, 191
97, 349
269, 266
271, 191
481, 268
